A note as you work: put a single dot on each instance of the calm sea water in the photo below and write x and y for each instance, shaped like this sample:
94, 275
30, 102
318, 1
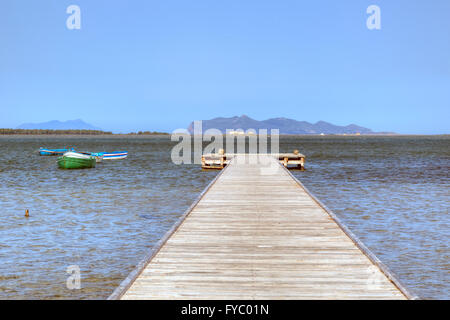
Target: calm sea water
393, 193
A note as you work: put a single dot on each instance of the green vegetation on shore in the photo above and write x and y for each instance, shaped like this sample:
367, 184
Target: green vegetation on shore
148, 133
70, 132
55, 132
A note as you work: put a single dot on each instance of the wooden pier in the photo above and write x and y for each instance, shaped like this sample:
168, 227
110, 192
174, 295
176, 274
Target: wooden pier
219, 160
257, 233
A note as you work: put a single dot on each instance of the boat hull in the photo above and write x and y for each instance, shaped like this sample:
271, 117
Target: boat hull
114, 155
76, 163
53, 152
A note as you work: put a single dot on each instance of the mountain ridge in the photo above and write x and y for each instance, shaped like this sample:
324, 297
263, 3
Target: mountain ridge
76, 124
285, 125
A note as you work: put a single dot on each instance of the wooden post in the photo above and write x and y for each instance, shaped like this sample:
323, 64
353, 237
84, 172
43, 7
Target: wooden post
222, 155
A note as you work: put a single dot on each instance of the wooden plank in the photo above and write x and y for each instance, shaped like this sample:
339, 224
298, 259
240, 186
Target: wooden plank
259, 234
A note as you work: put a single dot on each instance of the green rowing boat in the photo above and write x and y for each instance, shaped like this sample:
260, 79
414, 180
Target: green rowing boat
74, 160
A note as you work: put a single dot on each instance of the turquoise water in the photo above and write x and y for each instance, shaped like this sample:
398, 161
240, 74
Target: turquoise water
393, 193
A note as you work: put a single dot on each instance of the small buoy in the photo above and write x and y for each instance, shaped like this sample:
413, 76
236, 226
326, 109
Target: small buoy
27, 213
296, 151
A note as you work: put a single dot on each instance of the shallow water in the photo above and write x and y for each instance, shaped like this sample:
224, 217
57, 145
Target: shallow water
393, 193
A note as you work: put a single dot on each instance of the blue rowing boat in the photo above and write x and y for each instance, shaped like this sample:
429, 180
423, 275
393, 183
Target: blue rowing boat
54, 152
114, 155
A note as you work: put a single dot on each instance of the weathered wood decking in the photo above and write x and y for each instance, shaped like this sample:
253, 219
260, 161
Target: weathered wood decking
257, 233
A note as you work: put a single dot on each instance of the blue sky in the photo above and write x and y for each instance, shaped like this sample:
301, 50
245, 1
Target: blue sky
158, 65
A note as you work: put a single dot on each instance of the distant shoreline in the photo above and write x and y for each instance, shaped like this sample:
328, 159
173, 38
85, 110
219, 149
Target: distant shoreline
49, 132
134, 135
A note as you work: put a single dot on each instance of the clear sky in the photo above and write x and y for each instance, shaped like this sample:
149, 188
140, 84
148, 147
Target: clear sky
158, 65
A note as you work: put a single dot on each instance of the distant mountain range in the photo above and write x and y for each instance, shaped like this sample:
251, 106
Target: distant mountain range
77, 124
286, 126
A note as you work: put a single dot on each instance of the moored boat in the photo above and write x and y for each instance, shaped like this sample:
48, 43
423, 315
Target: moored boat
75, 160
115, 155
98, 156
54, 152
